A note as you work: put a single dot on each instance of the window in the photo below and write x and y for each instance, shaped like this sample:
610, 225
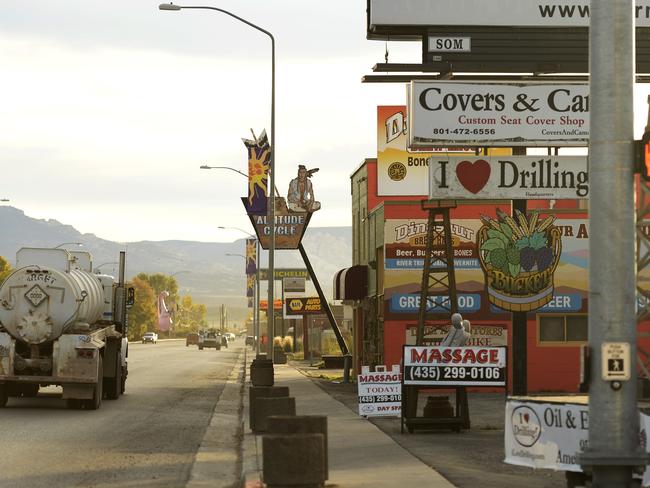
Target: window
562, 329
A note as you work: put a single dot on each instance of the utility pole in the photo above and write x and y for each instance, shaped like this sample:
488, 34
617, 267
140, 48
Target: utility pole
613, 415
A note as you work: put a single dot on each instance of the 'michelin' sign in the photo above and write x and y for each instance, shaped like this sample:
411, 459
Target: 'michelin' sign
508, 177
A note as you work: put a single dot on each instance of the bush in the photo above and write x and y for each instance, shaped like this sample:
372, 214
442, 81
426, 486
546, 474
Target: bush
287, 344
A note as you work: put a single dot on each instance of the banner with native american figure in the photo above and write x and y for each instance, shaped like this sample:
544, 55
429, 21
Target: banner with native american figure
259, 161
251, 268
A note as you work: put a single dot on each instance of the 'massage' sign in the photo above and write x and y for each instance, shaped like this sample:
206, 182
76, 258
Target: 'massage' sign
498, 114
454, 366
508, 177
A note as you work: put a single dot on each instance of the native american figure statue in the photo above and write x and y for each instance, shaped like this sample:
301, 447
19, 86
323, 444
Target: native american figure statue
301, 192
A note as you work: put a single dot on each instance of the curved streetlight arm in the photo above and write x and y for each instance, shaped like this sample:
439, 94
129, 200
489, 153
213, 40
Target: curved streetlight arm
239, 255
205, 166
271, 214
68, 243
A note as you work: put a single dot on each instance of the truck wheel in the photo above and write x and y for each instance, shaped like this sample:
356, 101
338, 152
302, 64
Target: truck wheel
96, 401
125, 373
114, 385
3, 395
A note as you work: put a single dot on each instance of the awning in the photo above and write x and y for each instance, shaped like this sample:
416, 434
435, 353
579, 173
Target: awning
351, 283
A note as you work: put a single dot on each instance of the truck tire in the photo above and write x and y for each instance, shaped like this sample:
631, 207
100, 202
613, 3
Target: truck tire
125, 373
113, 386
3, 395
96, 400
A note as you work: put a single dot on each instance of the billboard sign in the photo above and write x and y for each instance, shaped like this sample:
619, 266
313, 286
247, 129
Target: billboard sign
508, 177
481, 335
281, 273
401, 172
454, 366
498, 114
513, 13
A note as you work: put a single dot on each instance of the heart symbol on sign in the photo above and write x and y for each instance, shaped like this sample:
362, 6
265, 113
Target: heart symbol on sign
473, 176
526, 417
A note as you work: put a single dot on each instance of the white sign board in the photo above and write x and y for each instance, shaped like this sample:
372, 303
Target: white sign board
481, 335
446, 113
519, 13
450, 44
544, 433
508, 177
380, 393
616, 361
454, 366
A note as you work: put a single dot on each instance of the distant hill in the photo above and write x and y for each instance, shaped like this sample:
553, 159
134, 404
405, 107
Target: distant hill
213, 277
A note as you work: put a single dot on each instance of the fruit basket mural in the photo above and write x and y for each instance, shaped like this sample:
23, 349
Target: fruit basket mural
519, 256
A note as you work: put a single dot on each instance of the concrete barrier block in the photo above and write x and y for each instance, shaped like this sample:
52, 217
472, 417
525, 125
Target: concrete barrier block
301, 424
263, 391
294, 460
266, 407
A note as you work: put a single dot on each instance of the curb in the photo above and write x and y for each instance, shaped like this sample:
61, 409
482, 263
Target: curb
218, 460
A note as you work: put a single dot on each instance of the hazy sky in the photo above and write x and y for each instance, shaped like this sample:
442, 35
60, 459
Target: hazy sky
109, 108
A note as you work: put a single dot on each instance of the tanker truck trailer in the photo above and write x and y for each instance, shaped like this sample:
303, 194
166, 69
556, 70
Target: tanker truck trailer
61, 324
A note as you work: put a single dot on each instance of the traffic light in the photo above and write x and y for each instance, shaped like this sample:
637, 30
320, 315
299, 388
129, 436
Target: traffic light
643, 155
643, 151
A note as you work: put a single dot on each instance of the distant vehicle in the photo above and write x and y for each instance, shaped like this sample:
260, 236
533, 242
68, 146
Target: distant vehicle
250, 340
150, 337
230, 336
210, 339
191, 339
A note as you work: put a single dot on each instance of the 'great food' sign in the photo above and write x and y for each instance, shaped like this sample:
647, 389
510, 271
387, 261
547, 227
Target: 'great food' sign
498, 114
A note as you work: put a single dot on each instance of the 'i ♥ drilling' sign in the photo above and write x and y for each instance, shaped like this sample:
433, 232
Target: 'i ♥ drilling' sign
508, 177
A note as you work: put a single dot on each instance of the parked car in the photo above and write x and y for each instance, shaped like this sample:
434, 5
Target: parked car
250, 341
150, 337
210, 339
191, 339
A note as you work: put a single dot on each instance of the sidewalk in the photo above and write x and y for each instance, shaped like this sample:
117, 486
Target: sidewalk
360, 454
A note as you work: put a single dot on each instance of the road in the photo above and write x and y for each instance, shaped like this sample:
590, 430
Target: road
146, 438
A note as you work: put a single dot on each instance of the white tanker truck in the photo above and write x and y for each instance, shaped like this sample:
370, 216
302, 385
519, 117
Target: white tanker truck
60, 324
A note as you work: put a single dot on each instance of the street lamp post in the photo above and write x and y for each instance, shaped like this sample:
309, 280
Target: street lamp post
271, 199
256, 302
205, 166
68, 244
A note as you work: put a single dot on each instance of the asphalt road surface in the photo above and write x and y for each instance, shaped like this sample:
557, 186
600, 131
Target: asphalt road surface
148, 437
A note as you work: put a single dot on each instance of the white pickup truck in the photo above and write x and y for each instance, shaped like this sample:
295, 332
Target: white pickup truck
150, 337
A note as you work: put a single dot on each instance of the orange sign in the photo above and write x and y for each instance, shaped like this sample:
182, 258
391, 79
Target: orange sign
277, 304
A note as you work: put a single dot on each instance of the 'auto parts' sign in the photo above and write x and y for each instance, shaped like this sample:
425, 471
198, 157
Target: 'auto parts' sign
303, 306
498, 114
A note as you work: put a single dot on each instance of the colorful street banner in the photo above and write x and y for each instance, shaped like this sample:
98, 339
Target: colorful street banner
259, 160
251, 268
401, 172
508, 177
498, 114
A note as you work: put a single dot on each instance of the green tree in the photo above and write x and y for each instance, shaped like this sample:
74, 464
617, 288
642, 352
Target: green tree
160, 282
5, 269
190, 315
142, 316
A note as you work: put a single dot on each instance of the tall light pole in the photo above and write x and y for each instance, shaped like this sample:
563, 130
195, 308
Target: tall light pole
205, 166
256, 302
271, 199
